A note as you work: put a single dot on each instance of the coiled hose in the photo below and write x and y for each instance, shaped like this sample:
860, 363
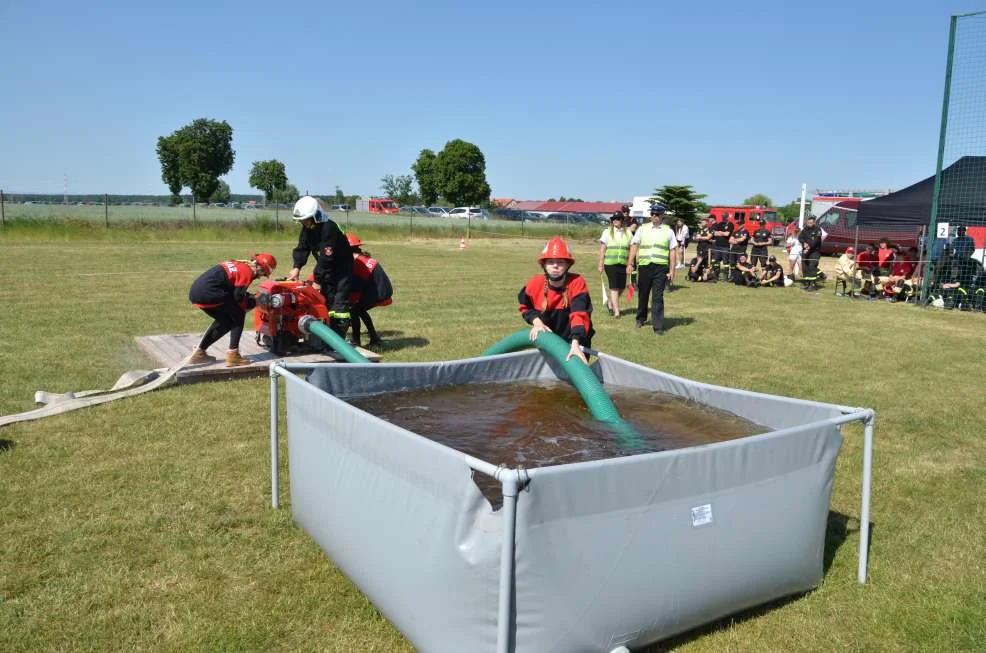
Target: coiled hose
595, 397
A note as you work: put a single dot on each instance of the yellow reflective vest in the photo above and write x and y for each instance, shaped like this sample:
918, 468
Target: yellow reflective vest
617, 248
653, 246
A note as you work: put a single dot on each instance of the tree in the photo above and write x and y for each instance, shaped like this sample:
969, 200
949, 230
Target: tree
424, 169
167, 154
197, 155
791, 210
221, 194
399, 188
268, 177
340, 196
682, 200
758, 200
287, 195
460, 172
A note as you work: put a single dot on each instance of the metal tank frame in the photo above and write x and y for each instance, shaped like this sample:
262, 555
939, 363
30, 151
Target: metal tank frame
691, 534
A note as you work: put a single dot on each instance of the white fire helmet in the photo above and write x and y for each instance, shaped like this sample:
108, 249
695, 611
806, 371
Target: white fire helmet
306, 207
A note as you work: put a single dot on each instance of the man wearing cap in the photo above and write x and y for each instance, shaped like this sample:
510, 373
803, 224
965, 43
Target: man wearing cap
845, 272
760, 240
655, 250
811, 251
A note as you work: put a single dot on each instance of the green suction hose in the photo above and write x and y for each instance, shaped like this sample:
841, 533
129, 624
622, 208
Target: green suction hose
596, 399
338, 344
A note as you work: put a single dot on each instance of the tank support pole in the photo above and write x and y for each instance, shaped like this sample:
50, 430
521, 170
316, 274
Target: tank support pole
864, 510
510, 484
275, 500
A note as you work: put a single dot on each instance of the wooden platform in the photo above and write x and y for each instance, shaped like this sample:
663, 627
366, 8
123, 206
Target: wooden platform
171, 349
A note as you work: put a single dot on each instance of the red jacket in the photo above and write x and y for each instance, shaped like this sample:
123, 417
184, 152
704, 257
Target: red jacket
223, 283
866, 261
566, 311
371, 286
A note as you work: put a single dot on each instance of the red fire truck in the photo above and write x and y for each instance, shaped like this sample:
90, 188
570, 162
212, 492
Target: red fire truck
750, 216
377, 205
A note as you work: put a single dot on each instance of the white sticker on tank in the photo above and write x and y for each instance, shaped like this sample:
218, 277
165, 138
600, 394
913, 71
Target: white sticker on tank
702, 515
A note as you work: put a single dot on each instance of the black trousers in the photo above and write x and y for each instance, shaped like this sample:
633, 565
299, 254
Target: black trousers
227, 318
651, 280
758, 254
810, 263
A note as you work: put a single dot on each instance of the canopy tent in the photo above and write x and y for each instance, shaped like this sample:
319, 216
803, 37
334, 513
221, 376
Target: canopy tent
962, 199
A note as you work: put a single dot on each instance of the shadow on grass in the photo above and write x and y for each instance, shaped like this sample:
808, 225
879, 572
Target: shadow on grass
673, 322
6, 445
394, 340
837, 530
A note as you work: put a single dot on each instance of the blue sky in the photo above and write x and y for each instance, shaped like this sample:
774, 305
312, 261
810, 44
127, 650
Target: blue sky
600, 100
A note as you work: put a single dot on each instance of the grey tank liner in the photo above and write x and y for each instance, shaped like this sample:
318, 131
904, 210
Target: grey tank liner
589, 556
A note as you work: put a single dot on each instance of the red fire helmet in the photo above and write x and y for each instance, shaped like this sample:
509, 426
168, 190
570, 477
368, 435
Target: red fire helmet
353, 239
266, 261
556, 248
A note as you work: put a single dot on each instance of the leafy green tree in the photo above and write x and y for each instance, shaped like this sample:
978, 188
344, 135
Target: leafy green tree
790, 211
340, 196
204, 153
680, 199
424, 173
399, 188
167, 154
758, 200
287, 195
268, 177
221, 194
460, 169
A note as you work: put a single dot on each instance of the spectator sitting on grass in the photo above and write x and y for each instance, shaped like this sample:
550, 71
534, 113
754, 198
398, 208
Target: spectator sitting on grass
699, 269
959, 291
773, 273
743, 274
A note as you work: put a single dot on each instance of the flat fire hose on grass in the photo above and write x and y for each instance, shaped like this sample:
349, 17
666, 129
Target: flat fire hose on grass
130, 384
595, 397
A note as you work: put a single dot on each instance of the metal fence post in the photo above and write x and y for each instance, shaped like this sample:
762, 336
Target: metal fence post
3, 211
106, 210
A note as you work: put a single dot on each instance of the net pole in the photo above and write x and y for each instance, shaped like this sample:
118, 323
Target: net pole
941, 147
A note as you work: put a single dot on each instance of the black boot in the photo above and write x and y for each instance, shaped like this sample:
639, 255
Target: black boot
340, 325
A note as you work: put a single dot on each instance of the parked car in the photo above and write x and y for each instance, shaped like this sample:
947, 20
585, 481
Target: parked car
340, 207
466, 212
439, 211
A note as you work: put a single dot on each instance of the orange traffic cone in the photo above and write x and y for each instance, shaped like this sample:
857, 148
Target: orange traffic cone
462, 243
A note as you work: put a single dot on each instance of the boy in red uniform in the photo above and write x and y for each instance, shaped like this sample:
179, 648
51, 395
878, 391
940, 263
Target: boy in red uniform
866, 265
558, 301
221, 293
371, 287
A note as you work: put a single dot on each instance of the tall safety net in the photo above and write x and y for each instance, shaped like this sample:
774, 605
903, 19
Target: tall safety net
954, 275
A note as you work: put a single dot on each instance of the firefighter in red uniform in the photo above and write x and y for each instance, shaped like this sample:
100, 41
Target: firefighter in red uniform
222, 294
371, 288
558, 301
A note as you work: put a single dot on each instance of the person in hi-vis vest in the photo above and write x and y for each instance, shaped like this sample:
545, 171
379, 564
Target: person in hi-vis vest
655, 249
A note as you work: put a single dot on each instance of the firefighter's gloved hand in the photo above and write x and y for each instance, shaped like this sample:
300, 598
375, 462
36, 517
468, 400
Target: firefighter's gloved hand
251, 302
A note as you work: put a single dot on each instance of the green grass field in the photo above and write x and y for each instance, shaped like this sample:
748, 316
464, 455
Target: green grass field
145, 524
